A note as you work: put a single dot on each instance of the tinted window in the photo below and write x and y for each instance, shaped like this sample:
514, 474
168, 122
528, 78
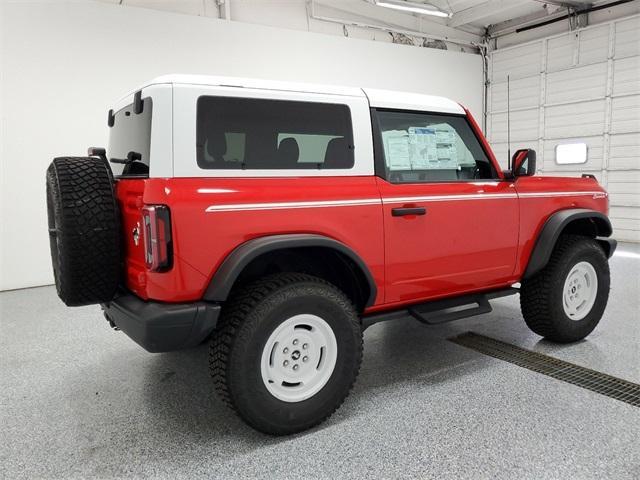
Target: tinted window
131, 133
421, 147
272, 134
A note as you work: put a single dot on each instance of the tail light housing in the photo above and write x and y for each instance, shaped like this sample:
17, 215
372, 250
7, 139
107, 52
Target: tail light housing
158, 248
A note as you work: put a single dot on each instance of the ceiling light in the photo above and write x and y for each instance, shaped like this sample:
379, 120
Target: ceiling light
421, 8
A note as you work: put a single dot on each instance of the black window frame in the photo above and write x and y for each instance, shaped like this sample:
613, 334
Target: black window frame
300, 166
380, 163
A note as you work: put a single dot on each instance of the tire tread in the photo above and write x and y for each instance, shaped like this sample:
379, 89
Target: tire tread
242, 302
87, 262
535, 294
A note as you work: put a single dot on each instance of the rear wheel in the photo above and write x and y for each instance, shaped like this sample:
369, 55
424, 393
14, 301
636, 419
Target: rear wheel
565, 301
286, 352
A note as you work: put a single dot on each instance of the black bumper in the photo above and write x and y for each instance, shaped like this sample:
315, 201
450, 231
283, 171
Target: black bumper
162, 327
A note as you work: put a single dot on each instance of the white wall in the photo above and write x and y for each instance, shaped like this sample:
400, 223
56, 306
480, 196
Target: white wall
63, 63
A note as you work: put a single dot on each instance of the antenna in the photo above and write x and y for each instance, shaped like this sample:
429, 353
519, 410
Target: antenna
508, 126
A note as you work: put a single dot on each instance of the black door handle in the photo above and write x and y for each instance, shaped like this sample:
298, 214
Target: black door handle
401, 212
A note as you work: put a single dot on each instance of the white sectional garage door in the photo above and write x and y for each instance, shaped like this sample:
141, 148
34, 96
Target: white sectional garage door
582, 86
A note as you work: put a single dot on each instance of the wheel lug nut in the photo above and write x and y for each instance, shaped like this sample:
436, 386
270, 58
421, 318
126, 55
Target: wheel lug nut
305, 346
305, 358
295, 367
295, 341
285, 363
285, 351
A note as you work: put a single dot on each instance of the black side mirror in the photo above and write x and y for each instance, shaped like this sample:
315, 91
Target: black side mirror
524, 163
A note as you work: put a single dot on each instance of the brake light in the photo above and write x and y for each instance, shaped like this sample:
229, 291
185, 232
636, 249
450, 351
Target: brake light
158, 250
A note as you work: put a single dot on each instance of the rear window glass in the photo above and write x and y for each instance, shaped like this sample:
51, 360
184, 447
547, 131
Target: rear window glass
131, 132
245, 133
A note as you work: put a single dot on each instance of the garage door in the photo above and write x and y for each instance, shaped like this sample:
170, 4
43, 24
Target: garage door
574, 88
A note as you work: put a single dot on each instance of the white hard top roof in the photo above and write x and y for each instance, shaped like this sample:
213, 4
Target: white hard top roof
377, 98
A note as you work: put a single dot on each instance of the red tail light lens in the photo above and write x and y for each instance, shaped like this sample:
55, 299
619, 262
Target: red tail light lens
158, 250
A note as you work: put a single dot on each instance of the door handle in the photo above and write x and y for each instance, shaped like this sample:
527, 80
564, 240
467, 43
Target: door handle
401, 212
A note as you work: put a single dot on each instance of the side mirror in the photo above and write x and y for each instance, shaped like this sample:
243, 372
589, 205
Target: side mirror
524, 163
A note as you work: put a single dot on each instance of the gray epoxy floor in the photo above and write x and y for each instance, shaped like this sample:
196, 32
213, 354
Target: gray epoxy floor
81, 400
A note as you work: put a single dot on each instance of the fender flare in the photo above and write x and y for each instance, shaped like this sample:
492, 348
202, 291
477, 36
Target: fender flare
232, 266
554, 226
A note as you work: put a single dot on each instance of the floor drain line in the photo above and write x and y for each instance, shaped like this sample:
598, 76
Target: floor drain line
598, 382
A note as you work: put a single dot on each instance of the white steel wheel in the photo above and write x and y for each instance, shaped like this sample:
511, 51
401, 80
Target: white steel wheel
299, 358
580, 291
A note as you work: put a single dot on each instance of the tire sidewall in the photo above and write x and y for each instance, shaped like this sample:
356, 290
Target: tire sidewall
54, 218
247, 386
584, 252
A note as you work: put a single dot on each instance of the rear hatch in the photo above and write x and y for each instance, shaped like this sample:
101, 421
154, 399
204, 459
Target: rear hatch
128, 153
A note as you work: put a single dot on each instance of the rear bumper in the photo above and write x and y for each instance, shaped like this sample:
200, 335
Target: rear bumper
162, 327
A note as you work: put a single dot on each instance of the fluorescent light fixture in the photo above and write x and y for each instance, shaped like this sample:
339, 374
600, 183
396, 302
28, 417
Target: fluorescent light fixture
571, 153
421, 8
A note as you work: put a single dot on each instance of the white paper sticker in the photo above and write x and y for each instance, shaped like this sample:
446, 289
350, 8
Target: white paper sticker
423, 147
397, 149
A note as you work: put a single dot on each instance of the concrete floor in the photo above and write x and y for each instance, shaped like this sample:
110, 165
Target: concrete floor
81, 400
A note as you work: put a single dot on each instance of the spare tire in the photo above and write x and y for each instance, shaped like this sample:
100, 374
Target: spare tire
84, 230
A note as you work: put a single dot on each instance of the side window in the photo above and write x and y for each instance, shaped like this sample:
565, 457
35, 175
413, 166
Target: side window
423, 147
248, 133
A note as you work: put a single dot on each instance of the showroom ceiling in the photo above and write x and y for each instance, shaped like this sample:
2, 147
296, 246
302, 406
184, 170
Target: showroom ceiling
483, 13
466, 23
468, 15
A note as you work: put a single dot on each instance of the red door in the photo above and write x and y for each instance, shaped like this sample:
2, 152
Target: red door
448, 238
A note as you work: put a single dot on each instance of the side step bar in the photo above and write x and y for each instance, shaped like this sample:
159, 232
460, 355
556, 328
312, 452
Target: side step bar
442, 311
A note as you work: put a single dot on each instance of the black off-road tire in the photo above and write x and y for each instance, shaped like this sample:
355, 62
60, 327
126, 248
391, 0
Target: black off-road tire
84, 230
248, 319
541, 296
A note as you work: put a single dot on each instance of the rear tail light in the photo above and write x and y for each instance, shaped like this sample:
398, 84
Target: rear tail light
158, 249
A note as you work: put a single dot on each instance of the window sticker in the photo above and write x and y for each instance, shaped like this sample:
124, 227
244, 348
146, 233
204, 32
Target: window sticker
423, 147
447, 147
445, 134
433, 147
397, 149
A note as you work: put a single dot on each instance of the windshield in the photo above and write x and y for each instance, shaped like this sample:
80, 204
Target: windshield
131, 132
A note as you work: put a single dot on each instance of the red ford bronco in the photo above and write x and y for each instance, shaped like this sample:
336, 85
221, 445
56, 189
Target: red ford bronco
279, 220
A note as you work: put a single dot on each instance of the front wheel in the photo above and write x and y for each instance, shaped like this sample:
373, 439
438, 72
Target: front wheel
565, 301
287, 352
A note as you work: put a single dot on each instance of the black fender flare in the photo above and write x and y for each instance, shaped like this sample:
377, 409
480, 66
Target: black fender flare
232, 266
554, 226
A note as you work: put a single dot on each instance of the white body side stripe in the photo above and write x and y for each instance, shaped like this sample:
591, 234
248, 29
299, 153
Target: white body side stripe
562, 194
287, 205
376, 201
